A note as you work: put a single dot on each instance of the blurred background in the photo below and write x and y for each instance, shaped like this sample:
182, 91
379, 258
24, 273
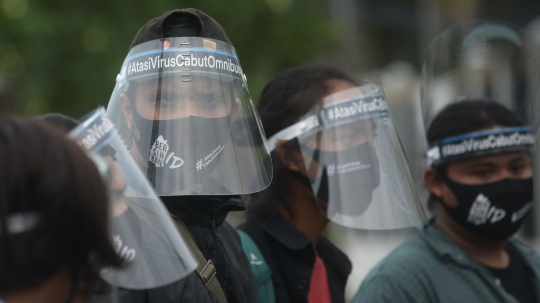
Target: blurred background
63, 56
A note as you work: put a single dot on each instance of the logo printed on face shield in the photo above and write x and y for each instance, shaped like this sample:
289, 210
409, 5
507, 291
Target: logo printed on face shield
97, 133
158, 154
151, 64
354, 108
126, 253
201, 163
481, 211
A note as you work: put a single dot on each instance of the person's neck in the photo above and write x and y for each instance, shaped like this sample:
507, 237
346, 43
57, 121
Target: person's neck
307, 217
491, 253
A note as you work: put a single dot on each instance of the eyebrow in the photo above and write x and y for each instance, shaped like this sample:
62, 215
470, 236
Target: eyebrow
518, 158
486, 163
481, 164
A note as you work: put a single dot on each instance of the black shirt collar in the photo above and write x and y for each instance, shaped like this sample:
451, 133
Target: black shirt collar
284, 231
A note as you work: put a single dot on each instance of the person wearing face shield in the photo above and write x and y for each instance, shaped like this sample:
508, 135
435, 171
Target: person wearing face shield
54, 216
182, 106
478, 96
333, 143
143, 233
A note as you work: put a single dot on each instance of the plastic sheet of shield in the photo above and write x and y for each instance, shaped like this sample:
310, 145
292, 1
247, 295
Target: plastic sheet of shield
183, 107
144, 234
355, 163
482, 60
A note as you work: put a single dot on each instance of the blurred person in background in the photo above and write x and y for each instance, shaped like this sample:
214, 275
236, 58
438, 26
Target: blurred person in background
478, 99
327, 135
54, 216
182, 106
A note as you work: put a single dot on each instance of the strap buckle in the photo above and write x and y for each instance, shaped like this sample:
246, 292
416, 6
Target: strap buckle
208, 272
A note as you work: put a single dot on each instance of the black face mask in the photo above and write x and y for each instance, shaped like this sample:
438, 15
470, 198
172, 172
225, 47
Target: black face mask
347, 175
181, 152
493, 211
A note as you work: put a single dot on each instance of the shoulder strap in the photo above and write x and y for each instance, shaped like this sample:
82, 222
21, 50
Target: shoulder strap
259, 268
206, 269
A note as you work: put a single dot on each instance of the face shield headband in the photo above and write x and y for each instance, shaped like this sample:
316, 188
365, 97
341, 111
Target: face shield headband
181, 57
334, 114
480, 143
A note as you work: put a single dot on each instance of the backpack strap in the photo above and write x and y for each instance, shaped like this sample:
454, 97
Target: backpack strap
259, 268
206, 269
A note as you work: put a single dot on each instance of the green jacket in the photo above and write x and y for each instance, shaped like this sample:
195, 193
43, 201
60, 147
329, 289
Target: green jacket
430, 267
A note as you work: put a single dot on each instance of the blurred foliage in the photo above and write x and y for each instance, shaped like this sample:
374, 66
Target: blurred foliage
63, 56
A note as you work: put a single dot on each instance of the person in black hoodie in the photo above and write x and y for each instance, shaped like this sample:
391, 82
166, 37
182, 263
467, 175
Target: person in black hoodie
182, 106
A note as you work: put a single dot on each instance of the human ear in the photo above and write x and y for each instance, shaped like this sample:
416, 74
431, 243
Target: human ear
235, 106
434, 182
290, 157
125, 105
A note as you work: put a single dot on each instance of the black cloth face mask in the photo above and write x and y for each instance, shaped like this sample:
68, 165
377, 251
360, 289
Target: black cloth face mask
492, 211
347, 181
181, 152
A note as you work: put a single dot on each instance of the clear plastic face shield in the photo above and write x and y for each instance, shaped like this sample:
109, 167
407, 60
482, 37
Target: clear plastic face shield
480, 61
183, 108
355, 164
144, 234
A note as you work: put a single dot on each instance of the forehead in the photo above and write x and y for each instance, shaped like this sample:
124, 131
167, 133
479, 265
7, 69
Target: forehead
493, 159
201, 84
342, 90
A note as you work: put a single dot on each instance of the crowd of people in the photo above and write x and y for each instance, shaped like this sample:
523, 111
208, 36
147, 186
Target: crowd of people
128, 204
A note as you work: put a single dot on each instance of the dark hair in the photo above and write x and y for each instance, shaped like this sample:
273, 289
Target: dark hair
284, 100
181, 25
44, 173
59, 121
466, 117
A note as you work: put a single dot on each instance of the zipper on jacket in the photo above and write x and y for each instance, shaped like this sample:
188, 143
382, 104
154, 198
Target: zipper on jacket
220, 263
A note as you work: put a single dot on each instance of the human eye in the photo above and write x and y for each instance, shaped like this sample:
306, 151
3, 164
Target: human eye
518, 169
207, 100
483, 173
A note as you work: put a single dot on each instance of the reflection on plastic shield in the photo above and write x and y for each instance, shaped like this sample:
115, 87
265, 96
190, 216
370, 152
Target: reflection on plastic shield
356, 166
484, 61
143, 233
183, 108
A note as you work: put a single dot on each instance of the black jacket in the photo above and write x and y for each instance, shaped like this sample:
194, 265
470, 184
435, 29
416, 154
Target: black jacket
217, 240
291, 256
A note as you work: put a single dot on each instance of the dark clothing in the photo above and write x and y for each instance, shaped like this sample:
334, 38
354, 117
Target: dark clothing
516, 278
153, 29
218, 241
291, 256
431, 267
